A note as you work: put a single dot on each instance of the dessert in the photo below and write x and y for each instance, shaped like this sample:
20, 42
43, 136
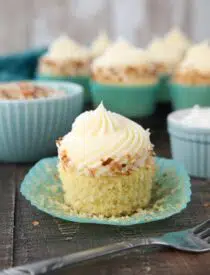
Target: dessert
191, 82
26, 90
166, 53
100, 44
106, 164
65, 58
122, 63
175, 38
124, 78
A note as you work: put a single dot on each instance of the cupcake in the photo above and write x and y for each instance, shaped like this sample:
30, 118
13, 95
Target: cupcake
175, 38
124, 78
66, 60
100, 44
166, 53
106, 164
191, 83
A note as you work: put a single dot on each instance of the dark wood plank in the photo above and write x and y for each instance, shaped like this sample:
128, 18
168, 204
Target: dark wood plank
7, 206
53, 237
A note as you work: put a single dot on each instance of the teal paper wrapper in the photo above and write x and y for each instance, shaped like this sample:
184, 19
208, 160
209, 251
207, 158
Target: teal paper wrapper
184, 96
170, 195
128, 100
81, 80
163, 94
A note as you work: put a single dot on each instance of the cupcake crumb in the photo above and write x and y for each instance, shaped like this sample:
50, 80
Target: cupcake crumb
35, 223
206, 204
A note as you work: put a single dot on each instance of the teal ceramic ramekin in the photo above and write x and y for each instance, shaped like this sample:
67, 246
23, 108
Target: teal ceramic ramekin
81, 80
189, 145
185, 96
131, 101
29, 128
163, 94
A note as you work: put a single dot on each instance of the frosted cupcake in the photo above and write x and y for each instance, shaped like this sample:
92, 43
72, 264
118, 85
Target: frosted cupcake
124, 78
100, 44
66, 60
191, 83
166, 53
106, 164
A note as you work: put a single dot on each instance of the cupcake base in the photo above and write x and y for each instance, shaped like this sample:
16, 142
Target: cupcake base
128, 100
107, 196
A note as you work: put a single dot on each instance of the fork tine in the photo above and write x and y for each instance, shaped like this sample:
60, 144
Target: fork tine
204, 234
201, 227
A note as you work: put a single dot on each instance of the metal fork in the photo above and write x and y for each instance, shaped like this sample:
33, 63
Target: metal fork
196, 240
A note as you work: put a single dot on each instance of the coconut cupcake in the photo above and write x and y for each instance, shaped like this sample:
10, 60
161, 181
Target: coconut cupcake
106, 164
100, 44
124, 78
66, 60
166, 54
191, 83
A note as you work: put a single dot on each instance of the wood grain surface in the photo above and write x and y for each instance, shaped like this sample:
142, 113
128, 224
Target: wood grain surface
28, 235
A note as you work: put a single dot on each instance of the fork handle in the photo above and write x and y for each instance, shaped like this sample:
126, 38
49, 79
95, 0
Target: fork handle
53, 264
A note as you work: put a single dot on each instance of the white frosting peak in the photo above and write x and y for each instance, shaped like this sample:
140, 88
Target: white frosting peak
100, 44
65, 48
176, 38
197, 58
101, 135
160, 52
121, 53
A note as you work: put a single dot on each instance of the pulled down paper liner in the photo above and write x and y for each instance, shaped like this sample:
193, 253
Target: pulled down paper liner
170, 194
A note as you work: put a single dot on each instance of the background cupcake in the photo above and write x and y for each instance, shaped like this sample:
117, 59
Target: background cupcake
166, 53
100, 44
191, 83
106, 164
124, 78
66, 60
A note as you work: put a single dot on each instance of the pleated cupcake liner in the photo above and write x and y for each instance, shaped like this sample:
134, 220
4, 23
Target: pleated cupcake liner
170, 195
128, 100
29, 128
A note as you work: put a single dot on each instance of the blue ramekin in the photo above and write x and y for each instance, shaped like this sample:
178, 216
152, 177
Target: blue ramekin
29, 128
189, 145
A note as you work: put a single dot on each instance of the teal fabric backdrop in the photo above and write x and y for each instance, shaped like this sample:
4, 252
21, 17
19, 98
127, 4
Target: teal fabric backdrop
19, 66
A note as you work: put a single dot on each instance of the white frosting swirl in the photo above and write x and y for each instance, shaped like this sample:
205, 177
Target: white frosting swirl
100, 44
65, 48
197, 58
102, 141
122, 54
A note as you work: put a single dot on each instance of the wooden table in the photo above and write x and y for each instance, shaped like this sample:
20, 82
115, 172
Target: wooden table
28, 235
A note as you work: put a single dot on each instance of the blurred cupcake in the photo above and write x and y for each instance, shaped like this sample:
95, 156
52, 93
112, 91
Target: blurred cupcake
191, 83
124, 78
100, 44
166, 53
106, 164
66, 60
175, 38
